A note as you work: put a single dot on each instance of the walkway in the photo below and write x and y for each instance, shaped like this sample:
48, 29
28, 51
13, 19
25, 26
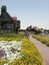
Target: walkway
42, 48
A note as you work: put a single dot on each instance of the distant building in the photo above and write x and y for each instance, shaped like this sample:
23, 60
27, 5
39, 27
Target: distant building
8, 24
35, 27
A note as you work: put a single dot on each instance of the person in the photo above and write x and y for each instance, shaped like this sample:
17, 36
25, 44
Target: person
27, 33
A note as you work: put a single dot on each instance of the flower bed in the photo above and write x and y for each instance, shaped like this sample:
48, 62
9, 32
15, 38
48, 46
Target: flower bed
27, 53
9, 37
43, 39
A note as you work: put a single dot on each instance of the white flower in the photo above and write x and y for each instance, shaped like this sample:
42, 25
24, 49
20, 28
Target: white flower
5, 64
7, 47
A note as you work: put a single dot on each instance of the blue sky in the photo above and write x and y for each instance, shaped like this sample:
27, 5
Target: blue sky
30, 12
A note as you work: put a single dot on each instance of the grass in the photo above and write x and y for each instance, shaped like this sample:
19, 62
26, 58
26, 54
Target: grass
19, 35
8, 37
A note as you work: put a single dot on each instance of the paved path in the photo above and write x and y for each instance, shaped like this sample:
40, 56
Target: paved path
42, 48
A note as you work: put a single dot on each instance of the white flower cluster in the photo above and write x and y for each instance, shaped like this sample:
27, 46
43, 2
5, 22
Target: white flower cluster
11, 48
5, 64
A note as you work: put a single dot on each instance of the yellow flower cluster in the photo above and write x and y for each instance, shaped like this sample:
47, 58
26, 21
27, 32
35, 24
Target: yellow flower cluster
2, 61
43, 39
9, 39
29, 55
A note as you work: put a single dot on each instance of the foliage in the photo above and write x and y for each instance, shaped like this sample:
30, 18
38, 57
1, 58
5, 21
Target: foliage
29, 55
3, 61
12, 36
43, 39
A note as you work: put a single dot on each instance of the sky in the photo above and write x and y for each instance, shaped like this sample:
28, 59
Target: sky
29, 12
